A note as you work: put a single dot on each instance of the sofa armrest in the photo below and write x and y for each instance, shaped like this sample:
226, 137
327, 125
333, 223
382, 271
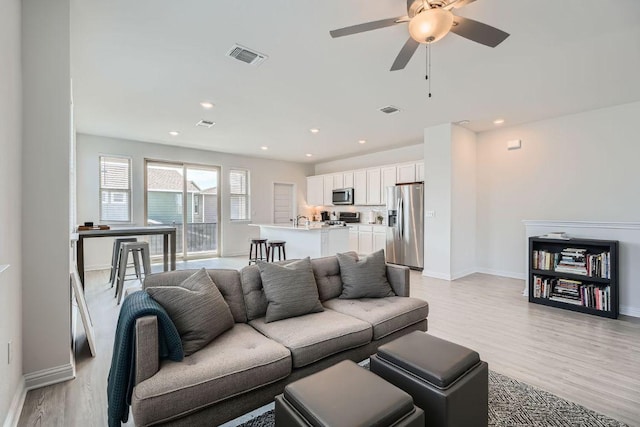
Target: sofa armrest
398, 276
147, 353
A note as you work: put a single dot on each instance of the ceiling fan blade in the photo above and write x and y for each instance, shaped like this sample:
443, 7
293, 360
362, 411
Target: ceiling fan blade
478, 32
405, 54
367, 26
457, 4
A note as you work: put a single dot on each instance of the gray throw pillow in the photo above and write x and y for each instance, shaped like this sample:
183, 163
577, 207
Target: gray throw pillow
197, 308
365, 277
290, 289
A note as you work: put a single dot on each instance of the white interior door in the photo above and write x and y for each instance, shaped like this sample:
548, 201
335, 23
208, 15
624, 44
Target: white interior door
282, 203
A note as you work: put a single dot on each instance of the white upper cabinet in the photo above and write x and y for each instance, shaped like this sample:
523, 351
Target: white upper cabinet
406, 173
328, 190
420, 171
338, 181
374, 196
388, 177
360, 187
315, 190
347, 179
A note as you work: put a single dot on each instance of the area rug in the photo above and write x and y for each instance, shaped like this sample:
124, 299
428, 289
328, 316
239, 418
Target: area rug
512, 403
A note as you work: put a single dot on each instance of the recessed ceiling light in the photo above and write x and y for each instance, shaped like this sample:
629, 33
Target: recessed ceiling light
264, 147
314, 130
308, 154
174, 133
206, 105
362, 141
498, 121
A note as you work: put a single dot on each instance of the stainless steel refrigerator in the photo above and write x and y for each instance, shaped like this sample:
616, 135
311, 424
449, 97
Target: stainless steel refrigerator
405, 234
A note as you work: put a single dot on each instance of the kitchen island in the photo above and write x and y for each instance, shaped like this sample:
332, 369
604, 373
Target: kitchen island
314, 241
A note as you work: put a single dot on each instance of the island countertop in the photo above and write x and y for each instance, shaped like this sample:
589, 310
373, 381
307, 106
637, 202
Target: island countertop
315, 241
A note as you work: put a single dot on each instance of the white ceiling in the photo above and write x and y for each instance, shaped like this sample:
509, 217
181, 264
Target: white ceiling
140, 69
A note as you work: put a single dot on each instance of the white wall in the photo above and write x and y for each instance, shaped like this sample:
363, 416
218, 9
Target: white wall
578, 167
396, 155
437, 198
463, 201
10, 243
235, 235
45, 230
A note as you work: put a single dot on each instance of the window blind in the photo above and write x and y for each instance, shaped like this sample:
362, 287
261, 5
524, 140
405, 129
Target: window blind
115, 189
239, 194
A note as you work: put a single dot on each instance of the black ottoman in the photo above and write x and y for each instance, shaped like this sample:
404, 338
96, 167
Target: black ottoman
345, 395
448, 381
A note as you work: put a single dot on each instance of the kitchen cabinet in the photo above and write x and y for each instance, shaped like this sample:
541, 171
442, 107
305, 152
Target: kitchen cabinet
373, 187
365, 239
406, 173
328, 190
315, 190
353, 238
347, 179
420, 172
379, 238
388, 179
360, 187
338, 181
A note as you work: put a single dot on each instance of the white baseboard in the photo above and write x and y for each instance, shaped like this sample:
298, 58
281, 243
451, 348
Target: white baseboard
460, 275
436, 275
50, 376
96, 267
510, 274
13, 416
230, 254
630, 311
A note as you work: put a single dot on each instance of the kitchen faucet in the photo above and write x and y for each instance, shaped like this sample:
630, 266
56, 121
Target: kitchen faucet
297, 219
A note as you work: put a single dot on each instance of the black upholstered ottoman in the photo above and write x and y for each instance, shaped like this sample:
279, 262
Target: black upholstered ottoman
448, 381
345, 395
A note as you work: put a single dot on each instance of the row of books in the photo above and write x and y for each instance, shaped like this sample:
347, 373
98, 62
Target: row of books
572, 292
574, 261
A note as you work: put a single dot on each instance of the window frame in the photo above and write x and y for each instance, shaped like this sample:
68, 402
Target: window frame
102, 191
246, 195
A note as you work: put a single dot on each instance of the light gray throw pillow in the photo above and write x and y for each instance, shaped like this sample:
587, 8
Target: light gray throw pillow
365, 277
290, 289
197, 308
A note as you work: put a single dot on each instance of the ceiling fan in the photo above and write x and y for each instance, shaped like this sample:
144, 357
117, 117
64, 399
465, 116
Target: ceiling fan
429, 21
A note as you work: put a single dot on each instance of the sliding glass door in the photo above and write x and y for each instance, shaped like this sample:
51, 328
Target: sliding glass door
186, 196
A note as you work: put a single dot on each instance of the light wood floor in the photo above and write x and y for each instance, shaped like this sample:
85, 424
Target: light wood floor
592, 361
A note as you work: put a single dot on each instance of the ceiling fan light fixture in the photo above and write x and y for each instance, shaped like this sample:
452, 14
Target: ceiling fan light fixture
430, 25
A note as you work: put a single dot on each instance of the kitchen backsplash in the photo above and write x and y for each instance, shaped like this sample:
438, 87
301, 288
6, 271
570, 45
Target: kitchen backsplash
367, 213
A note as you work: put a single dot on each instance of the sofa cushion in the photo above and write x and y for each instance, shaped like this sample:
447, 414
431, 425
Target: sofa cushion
314, 336
197, 308
239, 360
290, 289
254, 297
327, 273
227, 281
365, 277
386, 315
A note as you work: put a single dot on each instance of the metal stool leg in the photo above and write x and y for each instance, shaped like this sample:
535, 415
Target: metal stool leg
146, 262
122, 271
251, 253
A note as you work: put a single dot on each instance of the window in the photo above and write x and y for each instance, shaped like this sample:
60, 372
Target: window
115, 189
239, 194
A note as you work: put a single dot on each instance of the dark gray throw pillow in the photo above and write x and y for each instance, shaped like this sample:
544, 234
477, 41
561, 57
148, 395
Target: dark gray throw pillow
290, 289
197, 308
365, 277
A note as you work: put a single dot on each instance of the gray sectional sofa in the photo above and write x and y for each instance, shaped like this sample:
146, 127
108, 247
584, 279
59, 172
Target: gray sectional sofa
248, 365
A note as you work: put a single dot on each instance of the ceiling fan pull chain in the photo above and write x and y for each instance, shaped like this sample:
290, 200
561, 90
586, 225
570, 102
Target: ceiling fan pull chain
428, 68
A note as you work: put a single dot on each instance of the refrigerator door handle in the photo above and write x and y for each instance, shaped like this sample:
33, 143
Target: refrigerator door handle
401, 217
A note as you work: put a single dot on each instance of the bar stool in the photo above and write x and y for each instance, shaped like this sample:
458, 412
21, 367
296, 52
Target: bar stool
258, 244
136, 249
115, 258
276, 244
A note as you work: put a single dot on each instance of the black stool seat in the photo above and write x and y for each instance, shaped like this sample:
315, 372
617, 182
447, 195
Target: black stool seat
258, 245
276, 244
345, 394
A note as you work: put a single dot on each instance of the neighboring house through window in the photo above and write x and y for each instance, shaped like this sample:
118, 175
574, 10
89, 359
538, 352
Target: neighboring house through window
115, 189
239, 194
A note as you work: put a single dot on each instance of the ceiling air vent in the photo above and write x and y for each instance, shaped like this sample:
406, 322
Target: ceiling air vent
205, 123
389, 109
246, 55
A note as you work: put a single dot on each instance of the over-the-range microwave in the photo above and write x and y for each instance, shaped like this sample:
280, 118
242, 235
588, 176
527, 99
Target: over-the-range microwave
342, 196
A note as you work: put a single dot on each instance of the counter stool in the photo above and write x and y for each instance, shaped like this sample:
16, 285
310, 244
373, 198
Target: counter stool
276, 244
258, 244
448, 381
136, 249
345, 394
115, 258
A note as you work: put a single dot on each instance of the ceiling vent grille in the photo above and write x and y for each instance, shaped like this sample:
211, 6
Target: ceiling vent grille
205, 124
389, 109
246, 55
